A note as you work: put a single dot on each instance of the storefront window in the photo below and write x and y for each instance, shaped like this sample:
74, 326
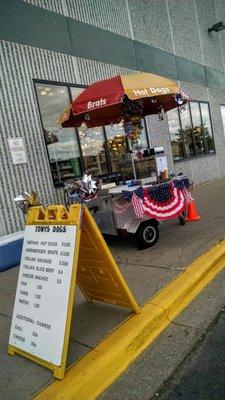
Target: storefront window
93, 150
208, 136
120, 147
223, 117
120, 158
62, 144
142, 140
191, 134
187, 132
97, 151
75, 91
197, 128
175, 134
146, 164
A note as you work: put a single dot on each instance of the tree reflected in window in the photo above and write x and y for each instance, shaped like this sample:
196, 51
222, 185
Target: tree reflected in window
187, 132
210, 146
175, 134
197, 128
191, 131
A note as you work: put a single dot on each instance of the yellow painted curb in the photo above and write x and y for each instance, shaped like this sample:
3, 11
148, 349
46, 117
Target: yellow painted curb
92, 374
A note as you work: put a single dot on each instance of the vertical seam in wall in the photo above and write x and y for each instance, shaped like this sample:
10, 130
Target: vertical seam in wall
192, 177
200, 39
74, 59
129, 19
217, 162
221, 49
76, 69
171, 31
65, 8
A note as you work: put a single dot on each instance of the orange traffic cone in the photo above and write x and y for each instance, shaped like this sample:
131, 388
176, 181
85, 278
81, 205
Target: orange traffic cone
192, 214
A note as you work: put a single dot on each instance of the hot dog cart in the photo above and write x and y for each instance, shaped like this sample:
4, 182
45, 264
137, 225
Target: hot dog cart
124, 209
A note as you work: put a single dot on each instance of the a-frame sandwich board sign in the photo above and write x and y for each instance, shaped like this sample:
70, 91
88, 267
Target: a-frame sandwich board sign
60, 249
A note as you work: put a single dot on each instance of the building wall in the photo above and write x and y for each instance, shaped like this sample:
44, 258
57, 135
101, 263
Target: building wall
110, 15
20, 118
170, 25
180, 30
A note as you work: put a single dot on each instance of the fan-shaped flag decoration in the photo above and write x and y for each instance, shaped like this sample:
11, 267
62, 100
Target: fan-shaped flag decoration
163, 201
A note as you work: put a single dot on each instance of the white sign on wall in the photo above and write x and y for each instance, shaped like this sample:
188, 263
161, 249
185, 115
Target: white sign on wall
161, 163
42, 296
17, 150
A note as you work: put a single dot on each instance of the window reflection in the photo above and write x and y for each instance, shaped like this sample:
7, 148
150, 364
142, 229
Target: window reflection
142, 140
93, 150
75, 91
175, 134
92, 145
223, 117
62, 144
210, 147
187, 132
197, 128
64, 149
120, 158
120, 152
146, 164
191, 136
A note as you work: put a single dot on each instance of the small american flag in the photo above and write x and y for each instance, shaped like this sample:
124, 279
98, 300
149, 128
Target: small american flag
138, 206
120, 205
127, 195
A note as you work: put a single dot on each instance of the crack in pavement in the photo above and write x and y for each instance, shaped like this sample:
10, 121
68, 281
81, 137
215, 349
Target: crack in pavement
6, 316
179, 324
170, 268
83, 344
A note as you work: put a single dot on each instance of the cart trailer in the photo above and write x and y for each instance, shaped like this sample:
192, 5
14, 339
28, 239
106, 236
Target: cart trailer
109, 222
112, 219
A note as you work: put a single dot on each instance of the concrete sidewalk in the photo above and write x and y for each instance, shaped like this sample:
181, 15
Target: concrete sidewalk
146, 272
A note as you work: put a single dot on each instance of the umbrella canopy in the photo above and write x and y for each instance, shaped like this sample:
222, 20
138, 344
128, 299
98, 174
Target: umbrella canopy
107, 101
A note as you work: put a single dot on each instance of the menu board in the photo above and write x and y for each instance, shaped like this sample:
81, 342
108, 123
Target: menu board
42, 296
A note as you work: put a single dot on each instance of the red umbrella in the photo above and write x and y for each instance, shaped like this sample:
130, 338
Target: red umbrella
111, 100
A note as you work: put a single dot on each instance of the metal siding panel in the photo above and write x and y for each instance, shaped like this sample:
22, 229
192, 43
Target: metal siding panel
154, 60
40, 28
215, 78
51, 5
20, 117
185, 30
90, 42
150, 22
190, 71
91, 70
45, 29
110, 15
212, 55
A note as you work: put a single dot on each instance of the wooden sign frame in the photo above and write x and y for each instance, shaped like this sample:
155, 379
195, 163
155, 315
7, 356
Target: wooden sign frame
110, 278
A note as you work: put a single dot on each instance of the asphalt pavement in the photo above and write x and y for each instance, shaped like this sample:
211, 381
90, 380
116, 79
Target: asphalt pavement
146, 377
201, 376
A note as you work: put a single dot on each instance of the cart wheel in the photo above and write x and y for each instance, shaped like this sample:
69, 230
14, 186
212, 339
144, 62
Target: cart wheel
147, 235
182, 220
